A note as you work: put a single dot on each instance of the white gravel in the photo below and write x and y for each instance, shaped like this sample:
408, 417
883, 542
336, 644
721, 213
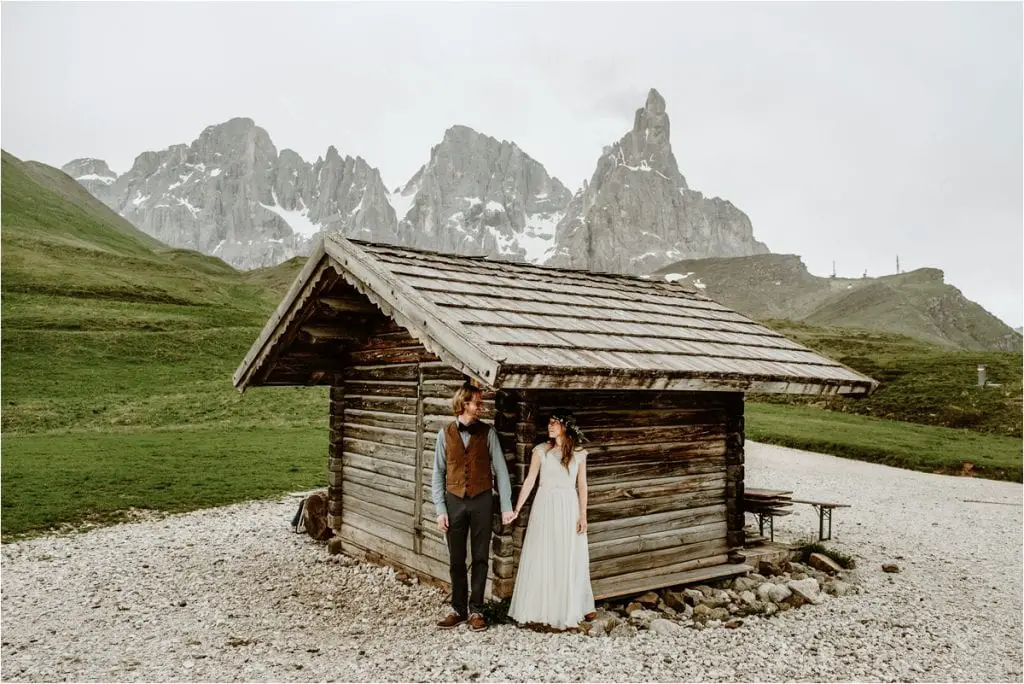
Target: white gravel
231, 594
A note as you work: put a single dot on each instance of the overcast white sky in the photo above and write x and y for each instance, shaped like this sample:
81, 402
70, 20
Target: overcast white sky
846, 131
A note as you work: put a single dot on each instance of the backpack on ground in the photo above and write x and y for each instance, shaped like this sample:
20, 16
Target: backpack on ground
312, 517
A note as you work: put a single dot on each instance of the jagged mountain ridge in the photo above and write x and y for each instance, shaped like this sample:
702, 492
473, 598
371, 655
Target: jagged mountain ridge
637, 213
477, 195
918, 303
231, 194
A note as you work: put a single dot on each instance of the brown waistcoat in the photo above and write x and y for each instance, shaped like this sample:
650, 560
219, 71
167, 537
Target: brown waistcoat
468, 471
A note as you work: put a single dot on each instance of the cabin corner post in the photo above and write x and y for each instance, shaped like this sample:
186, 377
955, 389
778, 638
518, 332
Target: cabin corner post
734, 471
335, 470
421, 462
504, 554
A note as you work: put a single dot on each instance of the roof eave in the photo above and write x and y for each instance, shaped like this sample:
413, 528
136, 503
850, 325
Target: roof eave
539, 377
414, 312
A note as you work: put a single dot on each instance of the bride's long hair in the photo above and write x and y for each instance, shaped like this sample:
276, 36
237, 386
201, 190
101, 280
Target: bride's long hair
570, 435
568, 446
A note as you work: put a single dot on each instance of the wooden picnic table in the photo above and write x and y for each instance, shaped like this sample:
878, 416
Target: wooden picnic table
824, 510
768, 504
754, 493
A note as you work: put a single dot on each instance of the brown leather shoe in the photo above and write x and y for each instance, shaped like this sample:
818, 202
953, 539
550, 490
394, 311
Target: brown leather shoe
453, 620
477, 622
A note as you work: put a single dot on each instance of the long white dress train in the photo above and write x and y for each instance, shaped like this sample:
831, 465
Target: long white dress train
553, 581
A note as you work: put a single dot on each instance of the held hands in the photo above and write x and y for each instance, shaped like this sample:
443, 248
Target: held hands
442, 522
508, 517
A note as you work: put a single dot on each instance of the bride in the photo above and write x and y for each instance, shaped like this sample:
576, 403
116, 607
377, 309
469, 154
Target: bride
553, 582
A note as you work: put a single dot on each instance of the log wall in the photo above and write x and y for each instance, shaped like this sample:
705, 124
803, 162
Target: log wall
664, 476
665, 469
385, 416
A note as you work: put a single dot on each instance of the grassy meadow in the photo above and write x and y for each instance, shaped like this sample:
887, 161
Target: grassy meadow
118, 355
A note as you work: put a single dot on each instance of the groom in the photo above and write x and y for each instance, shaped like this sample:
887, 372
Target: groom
467, 450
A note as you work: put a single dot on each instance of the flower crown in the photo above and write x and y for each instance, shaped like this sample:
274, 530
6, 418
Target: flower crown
568, 422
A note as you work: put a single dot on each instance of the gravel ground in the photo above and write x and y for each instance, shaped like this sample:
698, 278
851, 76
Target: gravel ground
230, 594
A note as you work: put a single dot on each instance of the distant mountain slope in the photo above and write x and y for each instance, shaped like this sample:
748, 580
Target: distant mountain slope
43, 203
61, 242
918, 303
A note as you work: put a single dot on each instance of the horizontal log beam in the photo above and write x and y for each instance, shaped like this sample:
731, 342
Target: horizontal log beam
654, 559
346, 305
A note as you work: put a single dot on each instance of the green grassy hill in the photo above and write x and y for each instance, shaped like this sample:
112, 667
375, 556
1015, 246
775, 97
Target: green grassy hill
117, 359
118, 355
919, 303
920, 382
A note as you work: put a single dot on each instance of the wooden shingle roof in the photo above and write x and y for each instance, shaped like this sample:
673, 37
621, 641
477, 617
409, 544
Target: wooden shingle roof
522, 326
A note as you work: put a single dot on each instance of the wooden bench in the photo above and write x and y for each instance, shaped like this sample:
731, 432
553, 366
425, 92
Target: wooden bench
766, 505
824, 510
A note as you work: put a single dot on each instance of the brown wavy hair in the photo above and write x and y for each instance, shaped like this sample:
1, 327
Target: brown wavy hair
568, 446
570, 434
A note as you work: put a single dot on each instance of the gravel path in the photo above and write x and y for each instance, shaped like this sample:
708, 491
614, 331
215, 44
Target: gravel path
230, 594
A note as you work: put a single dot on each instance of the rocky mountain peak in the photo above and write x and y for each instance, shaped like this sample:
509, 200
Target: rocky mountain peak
638, 213
479, 195
230, 194
94, 174
648, 146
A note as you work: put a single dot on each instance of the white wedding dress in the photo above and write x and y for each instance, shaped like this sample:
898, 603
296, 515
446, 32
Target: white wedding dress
553, 582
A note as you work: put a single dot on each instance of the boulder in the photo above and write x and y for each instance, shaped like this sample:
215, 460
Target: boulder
776, 593
664, 627
742, 584
649, 599
701, 612
643, 618
821, 562
674, 600
807, 589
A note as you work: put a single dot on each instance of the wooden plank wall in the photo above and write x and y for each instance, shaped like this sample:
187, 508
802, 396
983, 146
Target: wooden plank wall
665, 469
663, 479
384, 422
377, 449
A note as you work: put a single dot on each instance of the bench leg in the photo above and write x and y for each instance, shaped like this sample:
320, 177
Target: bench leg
823, 512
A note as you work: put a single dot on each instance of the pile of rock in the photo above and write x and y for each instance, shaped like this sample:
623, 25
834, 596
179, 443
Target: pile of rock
774, 588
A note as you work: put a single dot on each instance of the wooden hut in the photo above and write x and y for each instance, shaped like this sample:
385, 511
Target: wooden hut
655, 372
